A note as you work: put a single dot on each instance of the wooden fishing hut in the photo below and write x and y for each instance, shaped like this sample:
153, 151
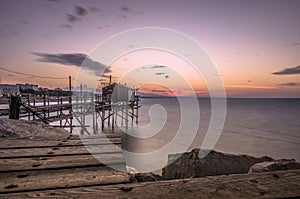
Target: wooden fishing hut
119, 102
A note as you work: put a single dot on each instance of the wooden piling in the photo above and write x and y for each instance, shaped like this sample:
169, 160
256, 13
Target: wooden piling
70, 102
14, 107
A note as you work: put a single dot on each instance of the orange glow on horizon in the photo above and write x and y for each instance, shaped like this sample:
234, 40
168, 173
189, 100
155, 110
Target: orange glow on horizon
250, 86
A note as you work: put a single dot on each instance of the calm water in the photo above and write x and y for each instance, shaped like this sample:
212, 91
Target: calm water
252, 126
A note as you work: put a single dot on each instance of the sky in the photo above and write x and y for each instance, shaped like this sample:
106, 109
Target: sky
255, 45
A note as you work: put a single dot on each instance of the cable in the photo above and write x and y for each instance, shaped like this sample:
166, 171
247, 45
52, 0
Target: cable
30, 75
76, 80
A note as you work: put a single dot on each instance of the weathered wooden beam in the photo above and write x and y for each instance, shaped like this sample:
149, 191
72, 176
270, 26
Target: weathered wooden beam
57, 179
60, 151
19, 144
59, 162
278, 184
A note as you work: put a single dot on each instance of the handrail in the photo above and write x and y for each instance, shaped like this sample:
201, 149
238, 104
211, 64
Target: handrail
35, 113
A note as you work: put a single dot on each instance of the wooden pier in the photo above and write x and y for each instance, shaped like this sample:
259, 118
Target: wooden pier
65, 169
118, 104
35, 165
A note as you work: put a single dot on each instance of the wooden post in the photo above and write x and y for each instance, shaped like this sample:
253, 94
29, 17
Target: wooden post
14, 107
33, 116
60, 112
70, 101
44, 105
108, 122
81, 111
103, 118
28, 98
48, 100
113, 119
116, 108
126, 118
137, 109
93, 112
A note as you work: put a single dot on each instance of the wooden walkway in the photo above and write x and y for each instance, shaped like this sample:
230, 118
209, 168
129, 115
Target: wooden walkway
65, 169
38, 165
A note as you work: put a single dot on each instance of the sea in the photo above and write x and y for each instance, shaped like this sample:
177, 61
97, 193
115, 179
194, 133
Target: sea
258, 127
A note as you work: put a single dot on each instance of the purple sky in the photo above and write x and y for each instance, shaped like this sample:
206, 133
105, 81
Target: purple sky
247, 40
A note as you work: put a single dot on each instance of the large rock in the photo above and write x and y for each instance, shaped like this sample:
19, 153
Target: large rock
274, 166
22, 129
189, 164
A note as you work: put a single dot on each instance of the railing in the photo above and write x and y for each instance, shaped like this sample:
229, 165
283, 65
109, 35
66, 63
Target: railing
79, 106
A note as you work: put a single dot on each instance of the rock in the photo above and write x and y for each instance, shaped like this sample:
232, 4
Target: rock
131, 170
189, 164
6, 134
147, 177
30, 130
274, 166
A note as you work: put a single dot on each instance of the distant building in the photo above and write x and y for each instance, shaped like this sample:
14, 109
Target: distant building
28, 87
43, 89
8, 89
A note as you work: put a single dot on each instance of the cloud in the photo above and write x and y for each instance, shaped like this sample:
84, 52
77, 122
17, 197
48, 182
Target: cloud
220, 75
250, 86
153, 67
72, 18
66, 26
8, 31
128, 9
106, 76
25, 22
288, 71
122, 16
75, 59
76, 16
80, 11
159, 66
159, 91
94, 9
125, 8
290, 84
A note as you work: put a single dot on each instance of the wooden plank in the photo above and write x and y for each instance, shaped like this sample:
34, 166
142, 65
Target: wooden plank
58, 151
54, 107
278, 184
18, 143
57, 162
57, 118
58, 179
103, 135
